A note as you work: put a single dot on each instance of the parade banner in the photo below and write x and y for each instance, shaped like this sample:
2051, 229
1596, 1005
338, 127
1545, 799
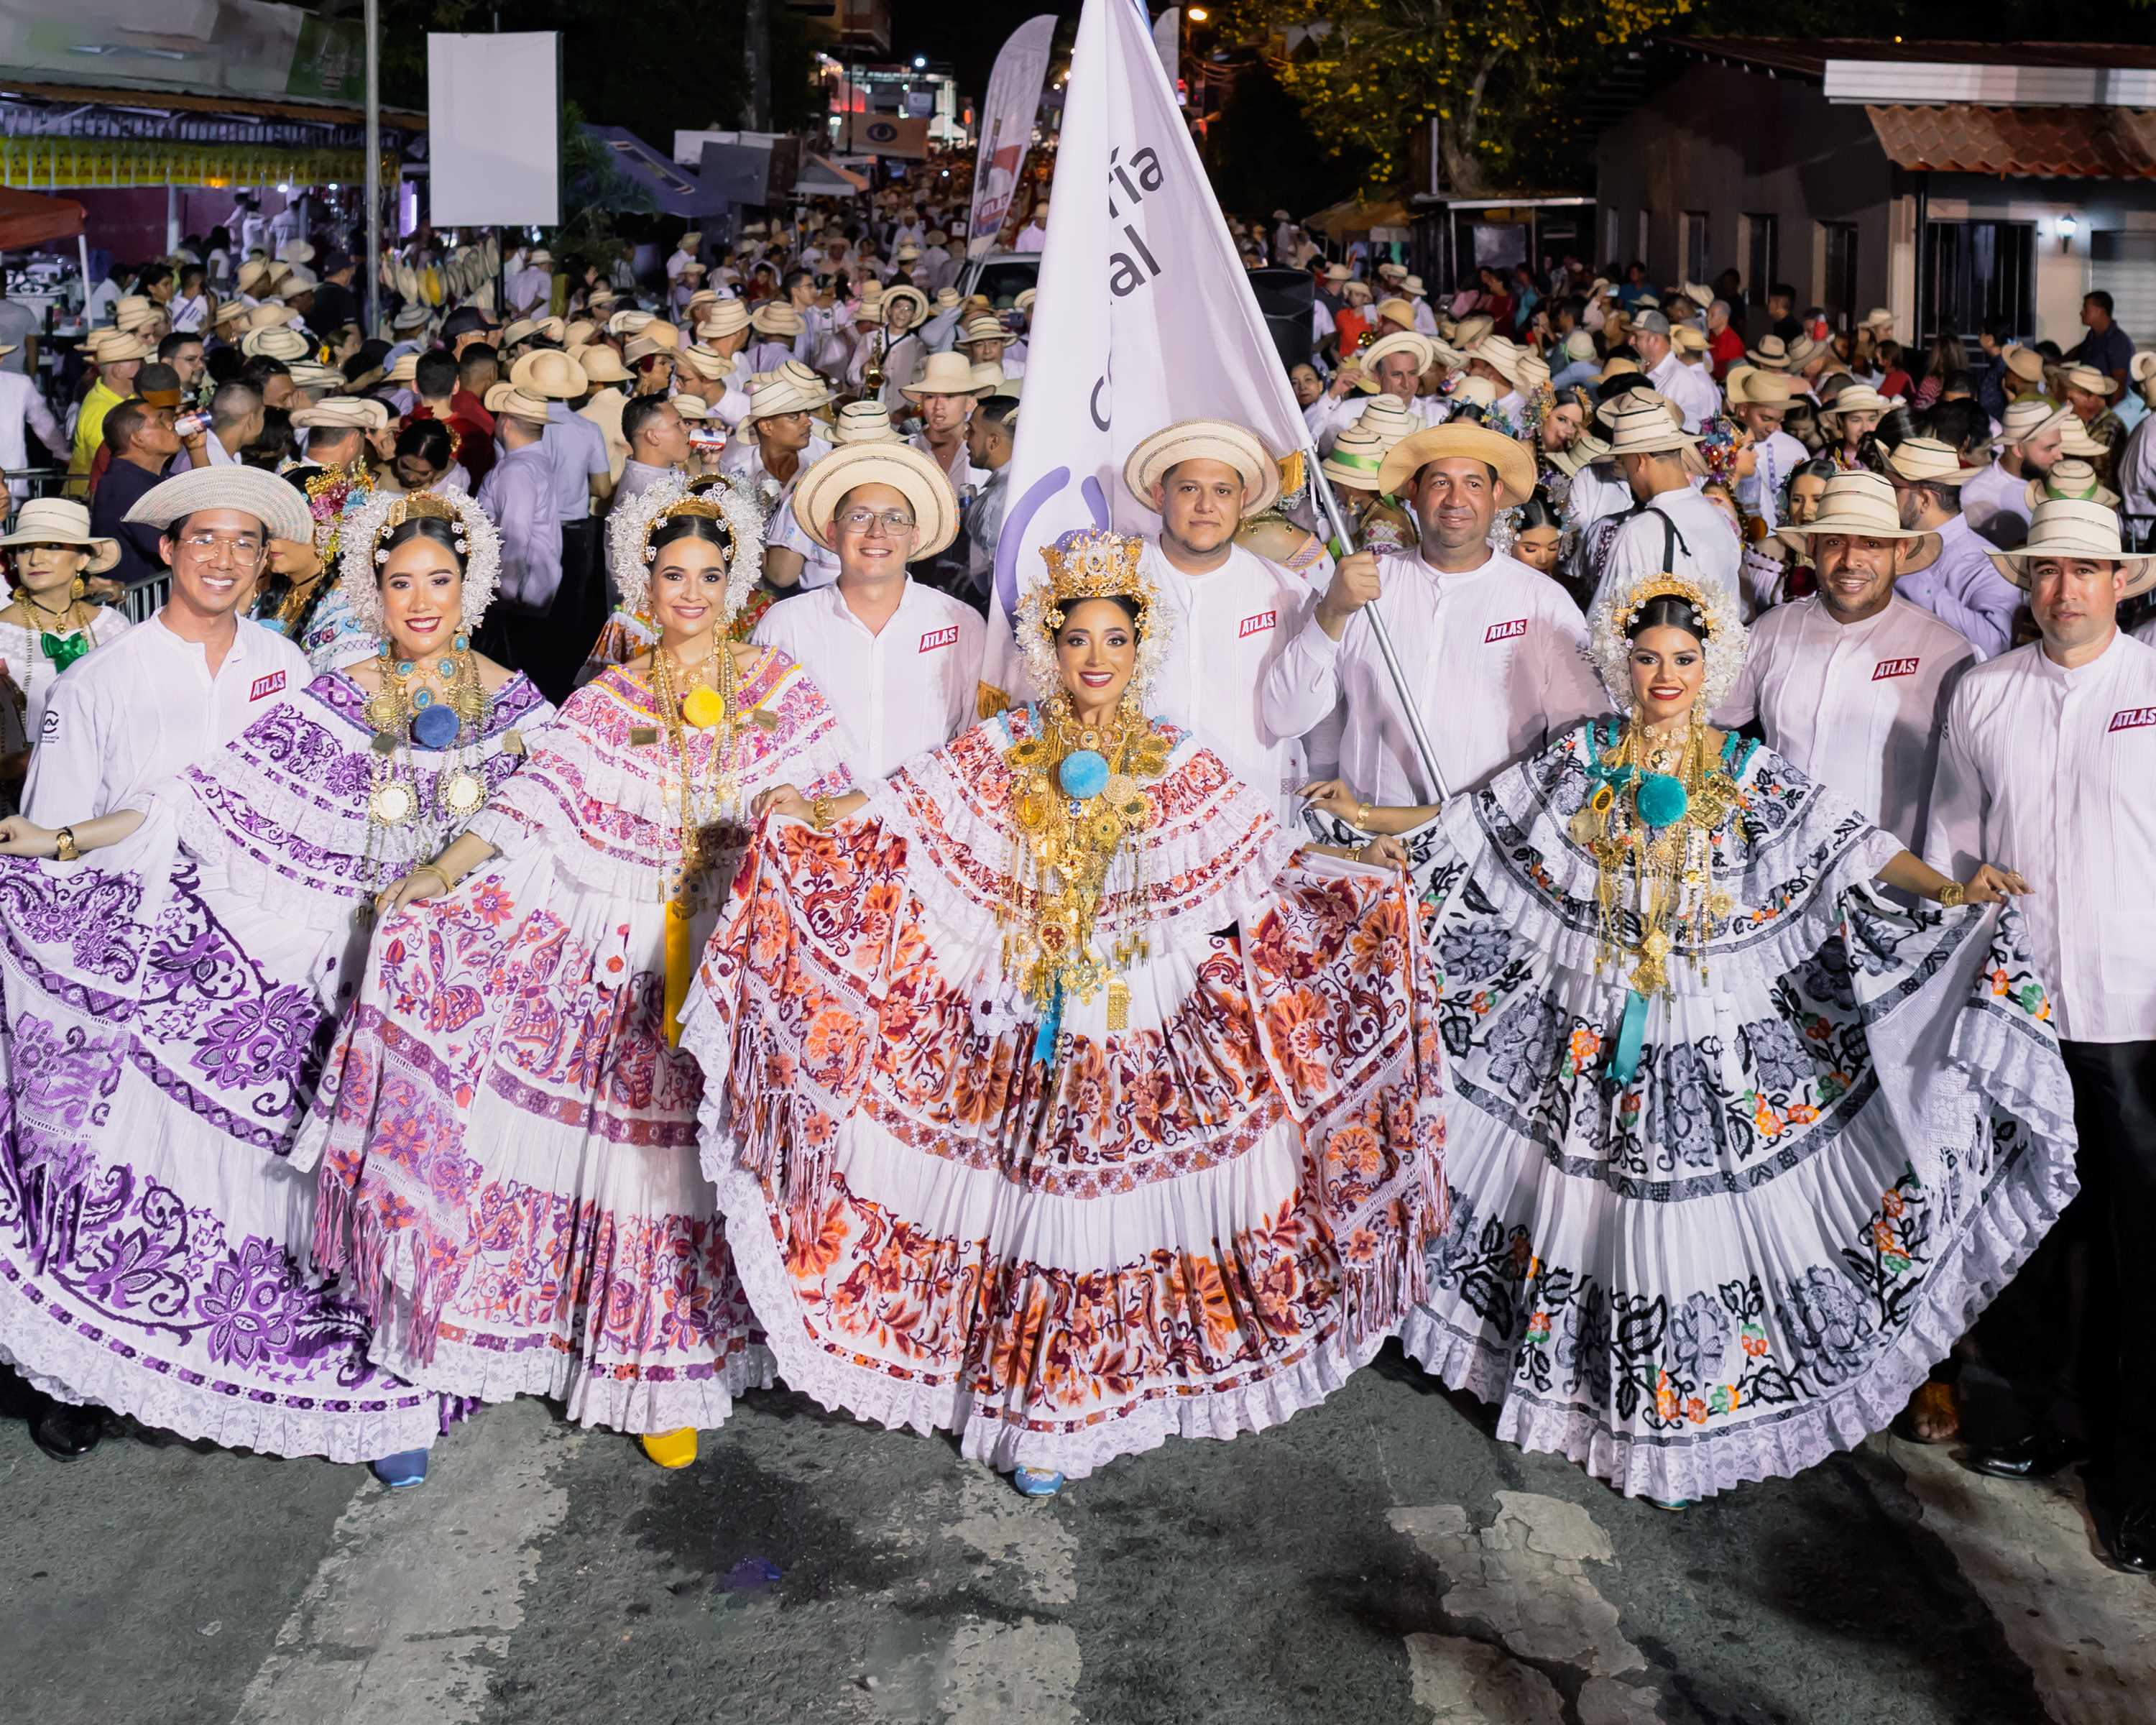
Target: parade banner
1167, 38
1007, 117
1144, 315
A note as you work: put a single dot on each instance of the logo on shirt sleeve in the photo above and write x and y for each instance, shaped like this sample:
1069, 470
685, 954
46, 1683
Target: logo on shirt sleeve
1894, 668
939, 638
2132, 718
265, 685
1511, 631
1256, 624
51, 726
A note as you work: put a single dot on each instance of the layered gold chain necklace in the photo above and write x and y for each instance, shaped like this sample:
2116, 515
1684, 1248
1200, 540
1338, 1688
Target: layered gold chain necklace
405, 712
1077, 795
686, 704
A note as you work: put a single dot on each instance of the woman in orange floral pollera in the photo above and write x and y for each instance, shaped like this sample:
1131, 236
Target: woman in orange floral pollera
1014, 1136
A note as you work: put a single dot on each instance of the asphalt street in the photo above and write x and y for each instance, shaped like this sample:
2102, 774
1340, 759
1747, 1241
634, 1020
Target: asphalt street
1379, 1560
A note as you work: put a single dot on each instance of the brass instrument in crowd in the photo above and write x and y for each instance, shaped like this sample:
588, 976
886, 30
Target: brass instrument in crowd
872, 372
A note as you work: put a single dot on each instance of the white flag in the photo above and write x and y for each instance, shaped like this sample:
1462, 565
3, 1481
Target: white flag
1144, 315
1167, 38
1007, 117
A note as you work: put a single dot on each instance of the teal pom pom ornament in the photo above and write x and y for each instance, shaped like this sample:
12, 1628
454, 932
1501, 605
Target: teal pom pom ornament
1661, 799
1084, 774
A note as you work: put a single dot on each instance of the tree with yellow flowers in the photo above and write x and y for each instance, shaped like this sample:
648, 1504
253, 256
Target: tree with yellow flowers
1492, 74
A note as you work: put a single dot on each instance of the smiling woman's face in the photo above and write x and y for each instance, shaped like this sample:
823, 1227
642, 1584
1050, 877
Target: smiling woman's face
1668, 666
688, 591
1096, 650
422, 596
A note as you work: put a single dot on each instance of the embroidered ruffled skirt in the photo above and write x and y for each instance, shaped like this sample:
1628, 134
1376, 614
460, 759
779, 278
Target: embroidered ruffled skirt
1191, 1224
1839, 1144
167, 1001
507, 1144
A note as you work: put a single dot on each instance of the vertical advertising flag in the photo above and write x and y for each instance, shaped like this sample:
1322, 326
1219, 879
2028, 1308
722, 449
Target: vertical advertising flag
1007, 117
1144, 317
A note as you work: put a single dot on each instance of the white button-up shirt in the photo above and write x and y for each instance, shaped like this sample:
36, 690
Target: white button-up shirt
1494, 658
1703, 548
144, 706
1857, 706
1232, 624
1961, 589
2048, 770
2136, 468
1996, 504
577, 449
1692, 387
907, 688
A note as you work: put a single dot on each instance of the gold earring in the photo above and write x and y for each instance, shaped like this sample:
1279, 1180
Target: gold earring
78, 588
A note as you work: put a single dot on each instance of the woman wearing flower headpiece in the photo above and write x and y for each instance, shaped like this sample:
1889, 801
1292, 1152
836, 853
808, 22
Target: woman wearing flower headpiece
167, 1002
511, 1161
1736, 1146
1011, 1138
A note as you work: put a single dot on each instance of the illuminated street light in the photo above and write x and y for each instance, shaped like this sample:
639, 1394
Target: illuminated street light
1196, 14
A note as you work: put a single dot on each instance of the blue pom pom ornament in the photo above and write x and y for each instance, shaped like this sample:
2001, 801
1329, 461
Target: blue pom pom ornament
1661, 800
1084, 774
435, 727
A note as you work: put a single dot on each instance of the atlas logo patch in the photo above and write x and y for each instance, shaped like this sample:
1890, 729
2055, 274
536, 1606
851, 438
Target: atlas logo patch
265, 685
1894, 668
2132, 718
939, 638
1256, 624
1505, 631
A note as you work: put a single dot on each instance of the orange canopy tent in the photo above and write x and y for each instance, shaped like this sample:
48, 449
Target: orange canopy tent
28, 218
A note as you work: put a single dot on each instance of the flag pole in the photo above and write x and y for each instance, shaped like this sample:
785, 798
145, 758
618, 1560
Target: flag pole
1421, 736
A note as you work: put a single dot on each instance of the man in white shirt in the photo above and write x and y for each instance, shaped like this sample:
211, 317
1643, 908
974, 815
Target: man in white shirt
944, 396
2031, 439
156, 698
1850, 684
1496, 359
897, 661
1672, 528
2046, 769
2134, 473
1233, 612
1946, 569
1034, 236
1692, 387
530, 289
23, 410
1492, 650
991, 440
688, 252
1760, 401
777, 446
1392, 365
657, 439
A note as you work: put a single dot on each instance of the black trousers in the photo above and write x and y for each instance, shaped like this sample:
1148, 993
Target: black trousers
2069, 1347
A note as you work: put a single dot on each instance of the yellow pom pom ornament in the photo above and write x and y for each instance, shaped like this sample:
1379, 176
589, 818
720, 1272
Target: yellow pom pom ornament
703, 708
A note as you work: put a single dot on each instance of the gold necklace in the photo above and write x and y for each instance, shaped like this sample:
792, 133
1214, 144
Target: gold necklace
405, 710
704, 709
1077, 795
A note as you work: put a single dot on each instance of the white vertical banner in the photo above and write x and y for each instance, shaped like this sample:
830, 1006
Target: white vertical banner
1168, 38
1007, 117
1144, 315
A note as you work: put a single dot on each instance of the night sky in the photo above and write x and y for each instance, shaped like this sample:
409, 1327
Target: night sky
967, 35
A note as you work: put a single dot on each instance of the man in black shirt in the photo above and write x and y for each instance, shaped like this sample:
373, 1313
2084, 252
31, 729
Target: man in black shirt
142, 440
336, 303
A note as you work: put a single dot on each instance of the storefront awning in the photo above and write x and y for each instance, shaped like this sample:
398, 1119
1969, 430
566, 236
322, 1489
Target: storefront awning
27, 220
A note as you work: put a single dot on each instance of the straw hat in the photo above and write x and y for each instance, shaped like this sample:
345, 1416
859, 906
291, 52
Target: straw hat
1878, 319
792, 388
704, 362
1699, 293
691, 406
1754, 387
1641, 423
1399, 341
1356, 289
2074, 439
1358, 454
1412, 286
989, 379
404, 371
1204, 441
540, 257
131, 312
2074, 527
638, 348
945, 374
581, 333
1805, 350
1860, 505
308, 375
231, 311
296, 251
1335, 273
1468, 331
1926, 460
1533, 376
905, 291
343, 413
1620, 366
253, 276
1023, 301
1858, 398
1390, 418
2089, 378
1772, 354
274, 343
2075, 478
506, 398
983, 329
1688, 338
817, 492
603, 365
863, 422
775, 317
519, 329
1475, 393
947, 300
2026, 420
631, 322
728, 317
552, 375
1501, 353
116, 347
280, 506
2142, 367
1514, 466
55, 521
2023, 363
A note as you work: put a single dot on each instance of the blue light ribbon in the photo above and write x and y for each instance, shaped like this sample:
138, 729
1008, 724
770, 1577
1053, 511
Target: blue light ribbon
1631, 1033
1051, 1026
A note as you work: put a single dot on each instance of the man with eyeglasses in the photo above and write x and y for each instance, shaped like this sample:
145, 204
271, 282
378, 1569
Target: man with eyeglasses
156, 698
897, 661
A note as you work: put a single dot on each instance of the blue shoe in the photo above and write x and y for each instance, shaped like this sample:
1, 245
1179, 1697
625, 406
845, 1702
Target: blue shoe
407, 1467
1036, 1482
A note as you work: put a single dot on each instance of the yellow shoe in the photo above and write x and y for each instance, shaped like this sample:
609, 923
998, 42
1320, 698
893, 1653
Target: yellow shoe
672, 1449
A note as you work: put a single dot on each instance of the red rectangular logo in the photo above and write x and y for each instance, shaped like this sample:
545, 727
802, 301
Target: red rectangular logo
1257, 625
1893, 668
2132, 718
939, 638
266, 686
1505, 631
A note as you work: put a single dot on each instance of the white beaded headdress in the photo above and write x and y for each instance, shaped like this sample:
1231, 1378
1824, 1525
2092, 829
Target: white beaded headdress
1092, 563
1724, 646
629, 530
359, 562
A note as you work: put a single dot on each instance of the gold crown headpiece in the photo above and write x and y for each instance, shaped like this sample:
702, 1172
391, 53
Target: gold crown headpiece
417, 506
1095, 563
703, 508
1667, 587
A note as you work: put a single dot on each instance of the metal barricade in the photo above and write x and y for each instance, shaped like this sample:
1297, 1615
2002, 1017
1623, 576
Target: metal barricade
142, 600
24, 483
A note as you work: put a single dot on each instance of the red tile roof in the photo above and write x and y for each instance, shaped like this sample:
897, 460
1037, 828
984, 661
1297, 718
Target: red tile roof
2065, 143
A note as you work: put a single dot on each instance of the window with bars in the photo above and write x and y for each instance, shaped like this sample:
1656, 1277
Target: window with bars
1975, 271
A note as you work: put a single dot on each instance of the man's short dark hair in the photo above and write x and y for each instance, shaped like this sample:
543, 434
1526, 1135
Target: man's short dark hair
124, 423
638, 413
155, 378
1782, 290
996, 410
2099, 299
261, 368
234, 405
178, 339
321, 438
434, 374
478, 355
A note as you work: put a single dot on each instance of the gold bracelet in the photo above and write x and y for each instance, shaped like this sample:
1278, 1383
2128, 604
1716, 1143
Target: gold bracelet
819, 813
1362, 816
1952, 895
64, 849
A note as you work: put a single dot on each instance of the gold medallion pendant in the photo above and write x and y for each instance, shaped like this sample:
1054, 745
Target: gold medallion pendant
463, 792
393, 803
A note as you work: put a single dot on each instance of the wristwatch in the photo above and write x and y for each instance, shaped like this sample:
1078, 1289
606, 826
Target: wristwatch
1952, 894
64, 845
